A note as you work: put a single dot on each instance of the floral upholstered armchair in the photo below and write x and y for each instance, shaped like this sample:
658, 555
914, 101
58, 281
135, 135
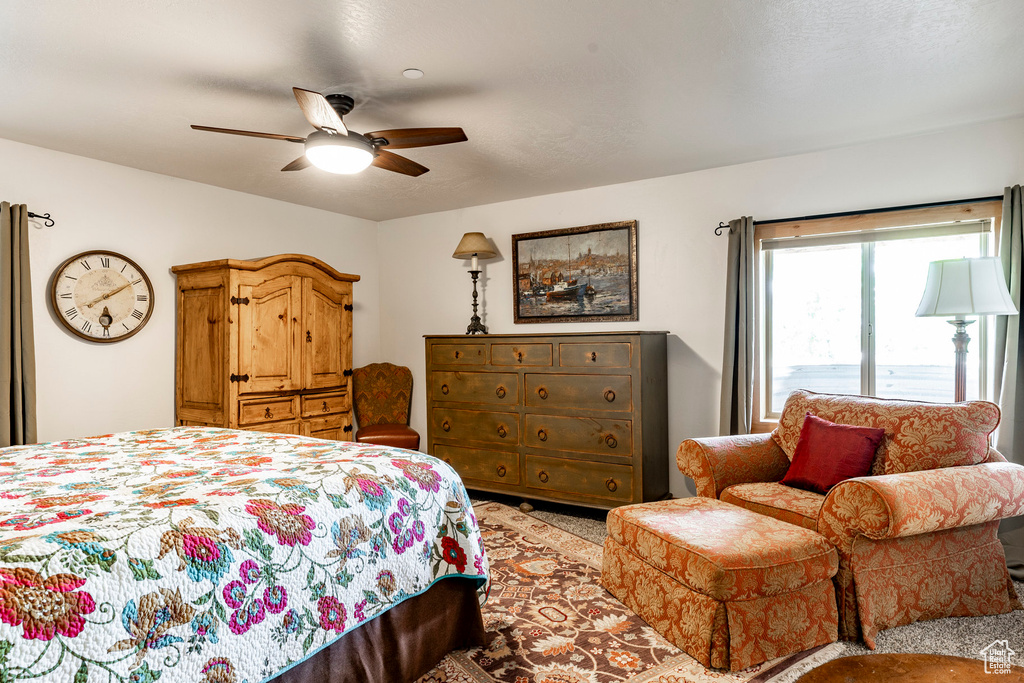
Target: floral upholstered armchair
916, 538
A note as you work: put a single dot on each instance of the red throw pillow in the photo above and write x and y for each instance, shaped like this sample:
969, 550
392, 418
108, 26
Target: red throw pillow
828, 453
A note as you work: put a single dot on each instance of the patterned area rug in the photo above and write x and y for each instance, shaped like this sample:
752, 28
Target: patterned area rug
550, 621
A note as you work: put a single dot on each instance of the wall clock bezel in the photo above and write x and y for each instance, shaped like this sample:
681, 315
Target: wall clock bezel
59, 271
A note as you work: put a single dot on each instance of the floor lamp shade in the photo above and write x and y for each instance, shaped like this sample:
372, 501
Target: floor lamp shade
967, 286
961, 287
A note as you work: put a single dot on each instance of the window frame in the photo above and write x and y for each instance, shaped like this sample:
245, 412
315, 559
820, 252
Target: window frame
850, 225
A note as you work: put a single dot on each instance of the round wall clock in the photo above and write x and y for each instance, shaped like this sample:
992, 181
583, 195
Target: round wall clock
101, 296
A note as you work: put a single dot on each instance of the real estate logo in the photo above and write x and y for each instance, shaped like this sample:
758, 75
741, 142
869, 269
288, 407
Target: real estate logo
997, 657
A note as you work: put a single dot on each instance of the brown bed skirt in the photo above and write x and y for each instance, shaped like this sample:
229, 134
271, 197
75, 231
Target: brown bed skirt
402, 644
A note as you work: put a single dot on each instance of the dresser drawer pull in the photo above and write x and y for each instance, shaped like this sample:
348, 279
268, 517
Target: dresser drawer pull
611, 484
267, 414
457, 354
542, 435
501, 470
543, 393
446, 426
610, 440
444, 389
609, 395
502, 432
543, 476
347, 428
325, 408
448, 460
593, 356
309, 337
500, 391
519, 356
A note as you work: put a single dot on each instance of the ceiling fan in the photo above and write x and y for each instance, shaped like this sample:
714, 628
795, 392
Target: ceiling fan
334, 148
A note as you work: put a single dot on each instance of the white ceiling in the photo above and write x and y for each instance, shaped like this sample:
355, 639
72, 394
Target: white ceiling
554, 95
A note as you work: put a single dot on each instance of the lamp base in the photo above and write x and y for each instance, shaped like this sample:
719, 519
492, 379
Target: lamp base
960, 341
475, 326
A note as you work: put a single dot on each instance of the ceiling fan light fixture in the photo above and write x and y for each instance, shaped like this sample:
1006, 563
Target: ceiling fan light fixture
339, 153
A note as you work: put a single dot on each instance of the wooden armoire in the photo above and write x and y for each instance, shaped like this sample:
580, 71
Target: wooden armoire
265, 345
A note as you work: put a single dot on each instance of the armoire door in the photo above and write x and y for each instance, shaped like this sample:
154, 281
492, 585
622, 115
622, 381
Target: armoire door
326, 335
269, 351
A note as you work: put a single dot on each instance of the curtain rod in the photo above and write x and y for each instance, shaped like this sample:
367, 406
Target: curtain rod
47, 221
840, 214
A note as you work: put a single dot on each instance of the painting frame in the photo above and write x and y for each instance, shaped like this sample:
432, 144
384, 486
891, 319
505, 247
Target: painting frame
630, 289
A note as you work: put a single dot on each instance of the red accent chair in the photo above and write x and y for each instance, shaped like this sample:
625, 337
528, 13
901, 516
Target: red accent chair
382, 399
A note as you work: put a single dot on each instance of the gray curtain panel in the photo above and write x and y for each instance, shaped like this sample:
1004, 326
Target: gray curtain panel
17, 350
1009, 367
738, 360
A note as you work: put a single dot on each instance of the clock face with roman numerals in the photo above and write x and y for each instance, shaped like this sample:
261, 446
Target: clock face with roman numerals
101, 296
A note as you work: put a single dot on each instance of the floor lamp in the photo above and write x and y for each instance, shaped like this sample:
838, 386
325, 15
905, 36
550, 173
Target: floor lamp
963, 287
475, 246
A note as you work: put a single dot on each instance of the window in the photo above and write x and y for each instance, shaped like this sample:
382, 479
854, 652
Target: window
837, 298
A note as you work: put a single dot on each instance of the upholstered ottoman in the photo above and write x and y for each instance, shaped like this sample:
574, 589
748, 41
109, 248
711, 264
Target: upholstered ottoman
730, 587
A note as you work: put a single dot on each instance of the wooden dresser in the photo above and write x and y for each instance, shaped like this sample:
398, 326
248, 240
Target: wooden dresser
265, 345
577, 418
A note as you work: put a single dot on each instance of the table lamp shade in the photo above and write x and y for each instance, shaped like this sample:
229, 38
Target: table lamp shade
474, 244
969, 286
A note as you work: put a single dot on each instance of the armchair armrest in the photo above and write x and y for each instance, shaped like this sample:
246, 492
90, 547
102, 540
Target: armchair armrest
720, 461
894, 505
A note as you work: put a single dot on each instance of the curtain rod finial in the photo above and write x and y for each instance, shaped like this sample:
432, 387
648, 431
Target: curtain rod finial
722, 225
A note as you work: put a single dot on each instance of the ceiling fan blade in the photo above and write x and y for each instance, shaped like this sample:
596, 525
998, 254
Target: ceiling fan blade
251, 134
401, 138
398, 164
297, 165
318, 111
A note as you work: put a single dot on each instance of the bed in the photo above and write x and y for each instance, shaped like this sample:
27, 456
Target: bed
201, 555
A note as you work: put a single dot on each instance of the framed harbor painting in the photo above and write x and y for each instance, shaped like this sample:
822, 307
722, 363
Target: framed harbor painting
584, 274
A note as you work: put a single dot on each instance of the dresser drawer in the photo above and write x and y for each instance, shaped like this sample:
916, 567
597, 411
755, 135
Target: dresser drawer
521, 354
256, 410
473, 425
580, 434
475, 387
585, 392
458, 354
326, 404
577, 477
292, 427
500, 467
599, 355
333, 427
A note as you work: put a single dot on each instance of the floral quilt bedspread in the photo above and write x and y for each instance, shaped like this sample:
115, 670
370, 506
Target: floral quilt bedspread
213, 556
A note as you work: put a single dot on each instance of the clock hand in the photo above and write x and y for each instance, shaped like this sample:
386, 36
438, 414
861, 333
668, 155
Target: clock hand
108, 295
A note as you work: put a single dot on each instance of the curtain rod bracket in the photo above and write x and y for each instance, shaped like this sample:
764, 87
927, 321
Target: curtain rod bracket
722, 225
47, 221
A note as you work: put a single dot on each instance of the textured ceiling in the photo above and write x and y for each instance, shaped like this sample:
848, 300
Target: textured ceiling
554, 95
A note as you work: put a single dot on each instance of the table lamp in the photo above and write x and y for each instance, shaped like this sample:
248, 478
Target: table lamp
962, 287
475, 246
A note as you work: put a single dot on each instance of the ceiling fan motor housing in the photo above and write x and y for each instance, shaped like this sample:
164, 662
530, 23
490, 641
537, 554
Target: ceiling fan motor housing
342, 104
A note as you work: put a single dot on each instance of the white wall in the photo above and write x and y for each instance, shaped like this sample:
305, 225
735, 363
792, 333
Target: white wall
161, 221
87, 388
682, 262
